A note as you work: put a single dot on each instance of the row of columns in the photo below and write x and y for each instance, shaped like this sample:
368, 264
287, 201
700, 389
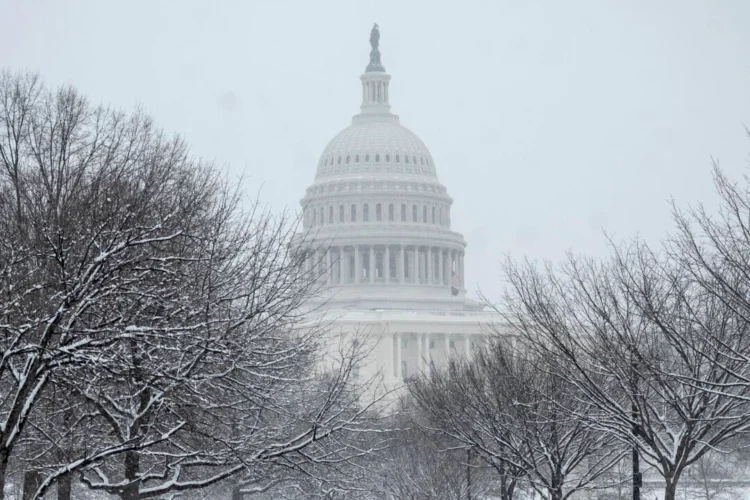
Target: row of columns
423, 359
374, 92
365, 264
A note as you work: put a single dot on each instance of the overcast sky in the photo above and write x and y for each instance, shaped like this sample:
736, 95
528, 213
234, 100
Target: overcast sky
549, 121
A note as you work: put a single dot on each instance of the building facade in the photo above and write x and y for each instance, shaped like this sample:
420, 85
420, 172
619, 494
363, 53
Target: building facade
378, 226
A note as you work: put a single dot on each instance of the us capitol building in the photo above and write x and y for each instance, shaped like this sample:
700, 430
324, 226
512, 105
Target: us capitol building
378, 226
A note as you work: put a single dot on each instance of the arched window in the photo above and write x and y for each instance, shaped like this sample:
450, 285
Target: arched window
414, 213
356, 159
406, 158
424, 214
347, 159
403, 212
378, 212
367, 158
339, 160
387, 158
415, 159
440, 212
433, 215
354, 214
391, 215
377, 157
365, 213
398, 159
341, 213
330, 214
322, 219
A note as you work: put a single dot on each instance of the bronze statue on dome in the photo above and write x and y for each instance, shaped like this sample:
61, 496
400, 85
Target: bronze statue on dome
375, 64
374, 36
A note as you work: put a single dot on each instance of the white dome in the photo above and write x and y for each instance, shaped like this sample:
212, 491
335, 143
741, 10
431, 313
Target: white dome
376, 144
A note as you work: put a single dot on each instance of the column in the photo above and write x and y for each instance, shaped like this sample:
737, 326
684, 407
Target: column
453, 264
429, 265
357, 265
387, 263
447, 346
427, 356
329, 268
400, 267
399, 375
341, 266
447, 268
415, 265
420, 354
468, 347
461, 268
440, 266
344, 265
372, 264
393, 355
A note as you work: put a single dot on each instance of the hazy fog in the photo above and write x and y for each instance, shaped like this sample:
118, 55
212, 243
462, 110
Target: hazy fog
548, 123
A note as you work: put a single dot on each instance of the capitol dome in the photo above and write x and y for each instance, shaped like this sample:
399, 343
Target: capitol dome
376, 145
376, 218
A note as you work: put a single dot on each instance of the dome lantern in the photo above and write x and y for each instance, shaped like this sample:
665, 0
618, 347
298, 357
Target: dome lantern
375, 81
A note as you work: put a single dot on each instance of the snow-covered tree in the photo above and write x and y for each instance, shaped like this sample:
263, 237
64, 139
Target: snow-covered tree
134, 282
643, 345
516, 415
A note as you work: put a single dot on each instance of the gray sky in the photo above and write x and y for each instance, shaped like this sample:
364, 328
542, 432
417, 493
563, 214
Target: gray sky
548, 121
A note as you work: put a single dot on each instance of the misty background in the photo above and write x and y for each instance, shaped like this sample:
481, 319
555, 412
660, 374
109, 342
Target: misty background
549, 123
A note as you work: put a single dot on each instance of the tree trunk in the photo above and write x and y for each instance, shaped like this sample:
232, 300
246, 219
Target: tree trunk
3, 469
556, 492
31, 481
670, 491
132, 467
64, 487
236, 495
506, 493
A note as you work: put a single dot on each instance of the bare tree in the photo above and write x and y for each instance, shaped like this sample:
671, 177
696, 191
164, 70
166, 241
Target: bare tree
421, 463
631, 336
132, 281
516, 415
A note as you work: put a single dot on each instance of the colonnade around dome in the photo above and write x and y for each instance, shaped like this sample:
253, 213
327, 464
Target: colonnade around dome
389, 264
